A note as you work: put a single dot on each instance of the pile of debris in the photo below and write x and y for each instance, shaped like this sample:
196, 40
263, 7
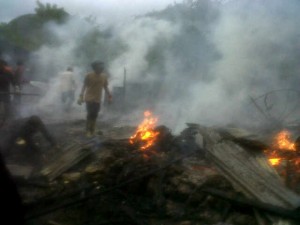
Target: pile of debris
202, 176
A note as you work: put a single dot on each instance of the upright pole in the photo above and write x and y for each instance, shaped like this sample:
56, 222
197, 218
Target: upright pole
124, 85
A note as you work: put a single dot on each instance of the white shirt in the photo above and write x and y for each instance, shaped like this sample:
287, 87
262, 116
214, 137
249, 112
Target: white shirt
67, 81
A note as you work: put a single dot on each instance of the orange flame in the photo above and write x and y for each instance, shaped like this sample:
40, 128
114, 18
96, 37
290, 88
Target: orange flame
284, 142
275, 161
284, 150
145, 133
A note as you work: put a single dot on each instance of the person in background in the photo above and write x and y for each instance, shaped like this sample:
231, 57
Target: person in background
19, 79
91, 93
67, 88
6, 81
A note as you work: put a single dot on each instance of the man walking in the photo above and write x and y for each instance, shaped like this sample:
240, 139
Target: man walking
91, 94
67, 87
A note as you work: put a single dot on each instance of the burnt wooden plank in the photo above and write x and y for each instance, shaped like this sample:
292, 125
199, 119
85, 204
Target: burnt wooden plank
71, 156
248, 172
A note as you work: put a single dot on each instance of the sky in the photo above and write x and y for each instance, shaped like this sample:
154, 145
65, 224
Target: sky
101, 9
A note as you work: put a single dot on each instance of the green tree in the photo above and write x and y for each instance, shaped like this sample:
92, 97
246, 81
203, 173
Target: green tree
47, 12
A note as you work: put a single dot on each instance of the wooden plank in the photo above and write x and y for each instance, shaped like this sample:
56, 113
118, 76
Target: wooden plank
72, 155
249, 172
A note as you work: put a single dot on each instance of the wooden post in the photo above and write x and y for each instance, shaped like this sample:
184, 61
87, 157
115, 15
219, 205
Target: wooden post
124, 83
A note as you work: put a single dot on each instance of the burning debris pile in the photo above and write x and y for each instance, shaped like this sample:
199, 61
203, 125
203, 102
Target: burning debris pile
284, 155
202, 176
146, 135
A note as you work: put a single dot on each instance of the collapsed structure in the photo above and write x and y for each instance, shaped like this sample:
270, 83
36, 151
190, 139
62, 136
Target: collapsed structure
202, 176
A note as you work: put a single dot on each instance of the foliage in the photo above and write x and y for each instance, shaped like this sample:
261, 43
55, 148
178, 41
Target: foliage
27, 32
187, 47
47, 12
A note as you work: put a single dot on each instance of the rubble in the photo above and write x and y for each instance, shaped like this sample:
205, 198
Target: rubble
202, 176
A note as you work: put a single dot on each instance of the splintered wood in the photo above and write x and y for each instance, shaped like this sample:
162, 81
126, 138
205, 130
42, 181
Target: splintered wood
196, 177
71, 156
248, 170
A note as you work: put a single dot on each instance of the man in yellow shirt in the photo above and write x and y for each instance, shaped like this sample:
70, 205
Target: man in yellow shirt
91, 94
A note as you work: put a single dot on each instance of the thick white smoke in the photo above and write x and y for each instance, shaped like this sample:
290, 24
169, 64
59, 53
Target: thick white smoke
140, 35
50, 61
250, 48
257, 42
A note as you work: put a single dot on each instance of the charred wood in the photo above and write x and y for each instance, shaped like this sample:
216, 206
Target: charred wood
243, 202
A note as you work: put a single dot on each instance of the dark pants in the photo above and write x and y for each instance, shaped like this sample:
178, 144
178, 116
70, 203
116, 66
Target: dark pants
5, 107
92, 109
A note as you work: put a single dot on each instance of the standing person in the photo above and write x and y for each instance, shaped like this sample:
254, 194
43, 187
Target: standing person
67, 87
18, 78
91, 94
6, 80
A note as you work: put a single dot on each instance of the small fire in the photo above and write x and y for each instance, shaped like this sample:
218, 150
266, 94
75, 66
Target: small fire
283, 150
284, 142
145, 133
275, 161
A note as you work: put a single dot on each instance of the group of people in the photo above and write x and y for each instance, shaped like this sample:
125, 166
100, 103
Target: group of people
12, 128
95, 82
91, 92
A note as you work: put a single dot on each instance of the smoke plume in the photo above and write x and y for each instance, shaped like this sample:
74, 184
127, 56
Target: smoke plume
198, 61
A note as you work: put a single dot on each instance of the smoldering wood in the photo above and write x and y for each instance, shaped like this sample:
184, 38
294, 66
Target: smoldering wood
71, 156
73, 202
249, 172
173, 176
239, 201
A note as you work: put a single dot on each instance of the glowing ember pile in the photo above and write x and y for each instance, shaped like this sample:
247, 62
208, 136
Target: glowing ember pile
145, 134
283, 150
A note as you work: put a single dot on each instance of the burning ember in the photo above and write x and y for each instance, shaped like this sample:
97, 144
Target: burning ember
283, 152
282, 145
284, 142
275, 161
145, 134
